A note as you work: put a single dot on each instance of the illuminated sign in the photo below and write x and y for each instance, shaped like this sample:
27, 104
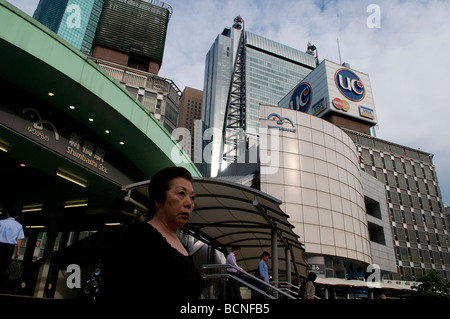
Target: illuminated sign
366, 112
341, 104
280, 121
61, 135
349, 85
301, 98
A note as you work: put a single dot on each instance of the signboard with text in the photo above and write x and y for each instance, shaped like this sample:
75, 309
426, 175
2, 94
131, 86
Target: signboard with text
333, 88
61, 134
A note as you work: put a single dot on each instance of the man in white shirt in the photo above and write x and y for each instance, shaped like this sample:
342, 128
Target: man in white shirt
11, 235
232, 284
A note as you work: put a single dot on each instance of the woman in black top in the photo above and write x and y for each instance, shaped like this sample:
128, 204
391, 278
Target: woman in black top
149, 261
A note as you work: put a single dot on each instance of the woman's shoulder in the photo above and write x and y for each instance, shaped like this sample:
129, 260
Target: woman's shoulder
140, 235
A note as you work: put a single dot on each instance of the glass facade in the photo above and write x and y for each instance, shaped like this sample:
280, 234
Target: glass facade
272, 70
142, 31
268, 79
415, 204
74, 20
50, 13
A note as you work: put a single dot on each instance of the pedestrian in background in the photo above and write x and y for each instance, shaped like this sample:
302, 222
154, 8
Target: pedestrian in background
232, 284
310, 289
11, 235
263, 273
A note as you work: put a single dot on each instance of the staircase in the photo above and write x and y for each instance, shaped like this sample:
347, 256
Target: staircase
216, 277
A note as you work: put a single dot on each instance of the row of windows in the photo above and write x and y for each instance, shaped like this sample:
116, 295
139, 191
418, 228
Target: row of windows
403, 181
397, 164
413, 274
402, 236
415, 255
422, 219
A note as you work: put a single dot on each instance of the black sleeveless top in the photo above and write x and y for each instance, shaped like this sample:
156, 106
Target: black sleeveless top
143, 265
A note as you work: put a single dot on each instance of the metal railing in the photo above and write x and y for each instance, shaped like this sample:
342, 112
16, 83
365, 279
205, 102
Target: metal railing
139, 78
287, 287
269, 290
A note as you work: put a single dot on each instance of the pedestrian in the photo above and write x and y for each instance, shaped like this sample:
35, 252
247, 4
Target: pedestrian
310, 289
263, 272
149, 262
263, 268
11, 235
233, 284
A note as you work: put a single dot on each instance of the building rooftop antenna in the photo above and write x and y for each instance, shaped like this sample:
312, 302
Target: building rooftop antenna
339, 50
311, 49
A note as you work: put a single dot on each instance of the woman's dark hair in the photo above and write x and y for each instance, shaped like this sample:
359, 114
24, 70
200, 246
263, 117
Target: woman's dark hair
159, 184
265, 253
312, 276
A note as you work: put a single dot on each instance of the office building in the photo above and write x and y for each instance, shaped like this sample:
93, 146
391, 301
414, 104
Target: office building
414, 201
190, 111
133, 33
335, 93
355, 200
416, 214
157, 95
110, 38
257, 69
313, 167
74, 20
447, 214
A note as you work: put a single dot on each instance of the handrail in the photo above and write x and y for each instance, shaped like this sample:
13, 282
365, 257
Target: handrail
226, 266
286, 286
209, 276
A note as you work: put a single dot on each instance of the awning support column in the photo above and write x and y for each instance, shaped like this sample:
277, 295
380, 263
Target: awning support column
274, 237
288, 265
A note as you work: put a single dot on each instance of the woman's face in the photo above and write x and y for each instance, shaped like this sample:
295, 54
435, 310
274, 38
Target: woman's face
177, 207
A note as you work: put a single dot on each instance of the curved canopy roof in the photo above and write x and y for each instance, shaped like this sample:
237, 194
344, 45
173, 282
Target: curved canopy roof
227, 214
37, 60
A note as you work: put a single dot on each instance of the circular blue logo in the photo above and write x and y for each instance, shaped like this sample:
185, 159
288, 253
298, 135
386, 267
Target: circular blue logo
349, 85
301, 98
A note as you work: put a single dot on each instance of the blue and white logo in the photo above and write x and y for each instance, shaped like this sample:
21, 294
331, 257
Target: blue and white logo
280, 121
301, 98
349, 85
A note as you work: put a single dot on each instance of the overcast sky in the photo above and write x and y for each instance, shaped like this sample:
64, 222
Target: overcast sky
407, 57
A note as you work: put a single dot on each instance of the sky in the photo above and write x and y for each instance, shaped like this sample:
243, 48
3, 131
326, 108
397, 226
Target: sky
403, 45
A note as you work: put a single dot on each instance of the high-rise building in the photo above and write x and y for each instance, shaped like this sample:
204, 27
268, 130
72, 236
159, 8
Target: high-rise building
416, 212
355, 200
414, 201
74, 20
337, 94
126, 38
243, 70
133, 33
190, 111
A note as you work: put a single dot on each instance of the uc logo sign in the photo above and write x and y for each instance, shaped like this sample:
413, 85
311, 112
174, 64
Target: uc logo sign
349, 85
301, 98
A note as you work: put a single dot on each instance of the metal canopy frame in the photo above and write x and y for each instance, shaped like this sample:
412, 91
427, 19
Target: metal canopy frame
228, 214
